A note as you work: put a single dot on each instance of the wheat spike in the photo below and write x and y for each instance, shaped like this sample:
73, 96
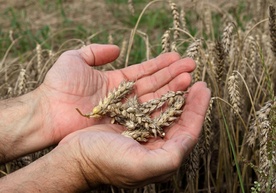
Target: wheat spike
166, 45
254, 59
192, 50
130, 7
208, 21
39, 57
192, 168
271, 150
176, 20
135, 116
197, 74
272, 28
20, 85
261, 116
138, 135
264, 164
207, 128
171, 113
120, 60
11, 36
113, 98
234, 93
110, 38
219, 61
182, 19
226, 37
262, 130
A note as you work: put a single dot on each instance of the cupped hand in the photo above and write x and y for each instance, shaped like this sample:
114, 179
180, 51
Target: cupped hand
107, 157
73, 83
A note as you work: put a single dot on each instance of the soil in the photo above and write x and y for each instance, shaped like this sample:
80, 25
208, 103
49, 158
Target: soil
50, 13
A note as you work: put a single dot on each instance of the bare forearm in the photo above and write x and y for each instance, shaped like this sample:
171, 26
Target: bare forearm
20, 126
57, 171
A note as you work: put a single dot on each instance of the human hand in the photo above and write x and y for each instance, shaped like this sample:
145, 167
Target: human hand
101, 155
71, 83
105, 156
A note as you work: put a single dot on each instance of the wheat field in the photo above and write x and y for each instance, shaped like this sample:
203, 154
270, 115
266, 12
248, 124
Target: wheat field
233, 44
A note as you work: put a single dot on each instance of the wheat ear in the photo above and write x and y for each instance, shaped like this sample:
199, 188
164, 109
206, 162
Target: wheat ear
234, 93
272, 28
166, 42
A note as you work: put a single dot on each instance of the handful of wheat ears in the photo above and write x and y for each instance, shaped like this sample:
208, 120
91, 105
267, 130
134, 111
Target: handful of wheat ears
136, 116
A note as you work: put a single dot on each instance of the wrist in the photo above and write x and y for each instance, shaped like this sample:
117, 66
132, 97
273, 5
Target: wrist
57, 171
85, 168
20, 126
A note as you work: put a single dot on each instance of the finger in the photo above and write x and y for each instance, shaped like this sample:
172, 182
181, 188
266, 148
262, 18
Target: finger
181, 82
166, 77
168, 158
147, 68
194, 111
98, 54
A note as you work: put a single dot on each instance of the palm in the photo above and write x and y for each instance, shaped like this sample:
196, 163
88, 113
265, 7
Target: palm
143, 163
72, 83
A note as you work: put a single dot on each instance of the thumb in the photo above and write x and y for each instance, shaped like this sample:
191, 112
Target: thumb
178, 148
168, 158
99, 54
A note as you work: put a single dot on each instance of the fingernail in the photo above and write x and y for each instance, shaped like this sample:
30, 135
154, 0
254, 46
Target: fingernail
188, 143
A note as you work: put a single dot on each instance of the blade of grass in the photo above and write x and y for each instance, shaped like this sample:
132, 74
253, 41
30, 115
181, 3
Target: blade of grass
233, 149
